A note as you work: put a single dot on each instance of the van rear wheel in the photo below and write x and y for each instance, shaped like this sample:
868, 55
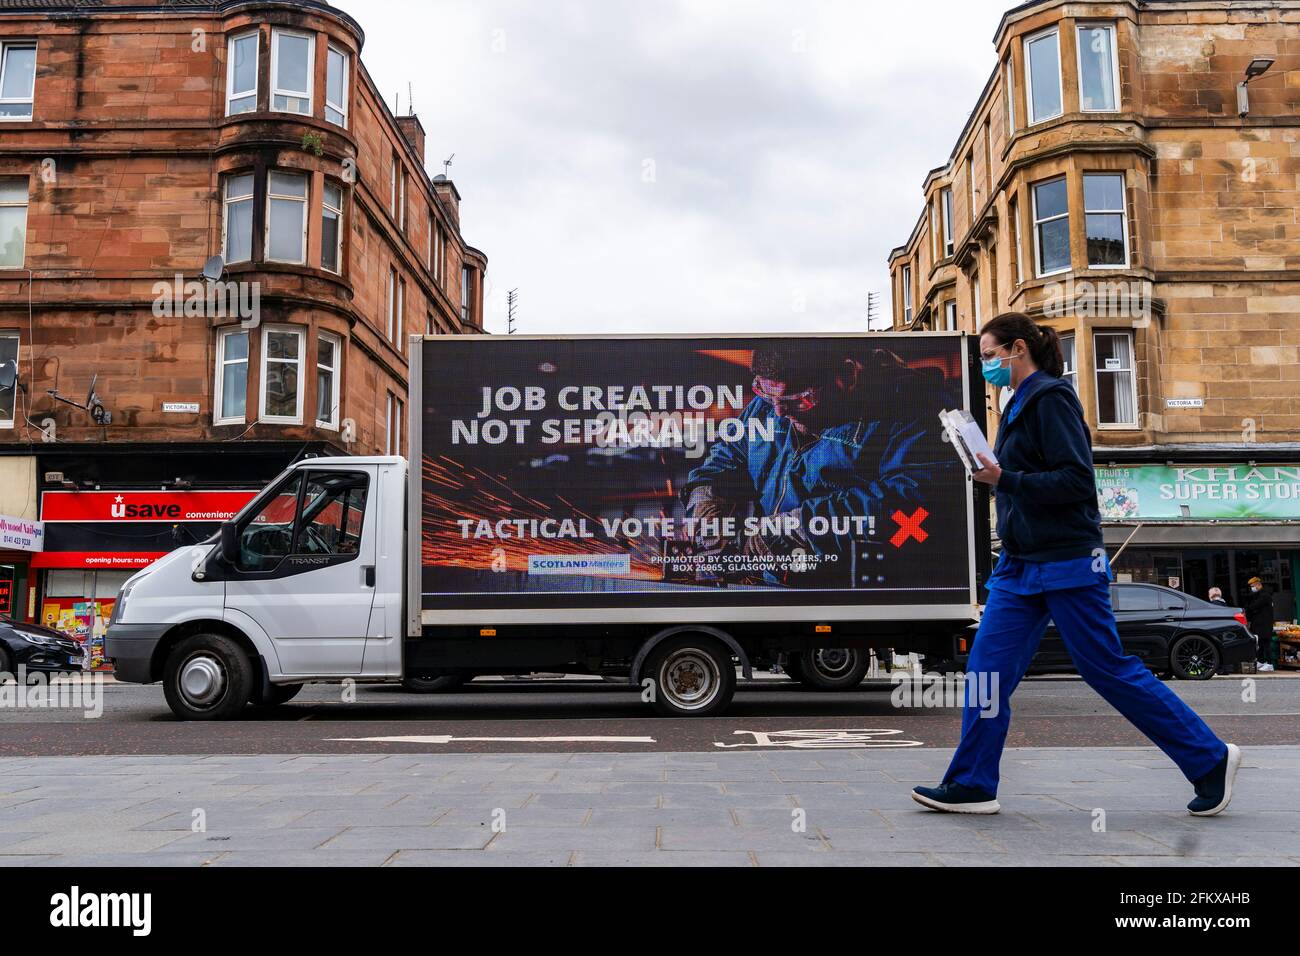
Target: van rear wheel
693, 676
207, 677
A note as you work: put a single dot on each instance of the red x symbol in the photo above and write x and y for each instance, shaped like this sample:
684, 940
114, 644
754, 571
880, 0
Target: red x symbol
909, 527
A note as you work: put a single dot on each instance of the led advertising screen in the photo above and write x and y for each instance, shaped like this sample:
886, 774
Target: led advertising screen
691, 472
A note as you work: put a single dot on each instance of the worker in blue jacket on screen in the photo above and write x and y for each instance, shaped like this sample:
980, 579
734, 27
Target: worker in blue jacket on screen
848, 439
1053, 567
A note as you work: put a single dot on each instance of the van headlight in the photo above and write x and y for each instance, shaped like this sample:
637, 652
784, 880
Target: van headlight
119, 606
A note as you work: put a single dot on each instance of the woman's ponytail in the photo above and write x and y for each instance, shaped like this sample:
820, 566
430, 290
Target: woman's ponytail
1044, 344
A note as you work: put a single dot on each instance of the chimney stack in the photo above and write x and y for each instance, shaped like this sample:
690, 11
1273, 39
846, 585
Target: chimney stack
447, 192
414, 134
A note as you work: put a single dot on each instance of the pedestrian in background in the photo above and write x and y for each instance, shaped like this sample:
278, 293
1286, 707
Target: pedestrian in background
1259, 614
1216, 597
1053, 566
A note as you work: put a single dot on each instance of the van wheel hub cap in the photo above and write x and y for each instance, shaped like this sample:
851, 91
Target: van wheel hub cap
202, 679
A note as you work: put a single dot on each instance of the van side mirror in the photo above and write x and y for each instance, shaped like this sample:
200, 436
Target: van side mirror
230, 542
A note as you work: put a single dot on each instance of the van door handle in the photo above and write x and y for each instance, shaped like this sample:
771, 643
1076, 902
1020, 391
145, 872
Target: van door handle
368, 575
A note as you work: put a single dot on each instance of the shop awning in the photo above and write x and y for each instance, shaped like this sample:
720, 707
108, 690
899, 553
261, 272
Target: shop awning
1204, 535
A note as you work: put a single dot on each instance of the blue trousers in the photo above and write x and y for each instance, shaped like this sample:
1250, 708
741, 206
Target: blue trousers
1008, 635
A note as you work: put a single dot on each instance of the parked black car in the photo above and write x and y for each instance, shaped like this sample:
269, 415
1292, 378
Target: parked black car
1171, 632
37, 648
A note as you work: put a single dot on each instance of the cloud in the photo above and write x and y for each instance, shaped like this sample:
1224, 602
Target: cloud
682, 166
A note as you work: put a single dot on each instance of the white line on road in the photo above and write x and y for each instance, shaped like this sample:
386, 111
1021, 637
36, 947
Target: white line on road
447, 739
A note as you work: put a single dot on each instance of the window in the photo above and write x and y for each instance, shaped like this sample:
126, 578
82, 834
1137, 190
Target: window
1051, 227
401, 311
1009, 94
328, 348
970, 184
1136, 598
988, 155
440, 255
336, 86
291, 72
13, 222
241, 74
1013, 211
464, 293
1116, 389
392, 187
333, 508
1098, 68
393, 426
950, 315
17, 80
230, 396
391, 302
1043, 76
934, 231
8, 395
266, 538
282, 375
331, 233
1104, 220
401, 200
237, 218
947, 222
1071, 373
907, 295
286, 219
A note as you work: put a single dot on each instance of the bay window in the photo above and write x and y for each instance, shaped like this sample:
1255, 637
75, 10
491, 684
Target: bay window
1098, 68
947, 222
1116, 386
286, 217
328, 352
230, 394
1105, 220
282, 374
1043, 76
331, 238
237, 218
336, 86
241, 74
292, 56
1051, 227
1071, 373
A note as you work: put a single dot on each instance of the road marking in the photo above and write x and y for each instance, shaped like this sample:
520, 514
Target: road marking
859, 739
448, 739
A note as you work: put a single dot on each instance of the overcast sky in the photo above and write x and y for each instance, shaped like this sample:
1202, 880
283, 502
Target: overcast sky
698, 165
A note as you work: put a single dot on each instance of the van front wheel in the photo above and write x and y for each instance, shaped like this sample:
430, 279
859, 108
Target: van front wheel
207, 677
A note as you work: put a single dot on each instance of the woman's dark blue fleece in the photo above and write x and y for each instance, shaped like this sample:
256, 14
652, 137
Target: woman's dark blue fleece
1047, 496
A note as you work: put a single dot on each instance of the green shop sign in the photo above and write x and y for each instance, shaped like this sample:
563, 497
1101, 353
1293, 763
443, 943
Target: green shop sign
1220, 492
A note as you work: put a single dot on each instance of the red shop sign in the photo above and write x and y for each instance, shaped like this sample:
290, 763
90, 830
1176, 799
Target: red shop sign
143, 505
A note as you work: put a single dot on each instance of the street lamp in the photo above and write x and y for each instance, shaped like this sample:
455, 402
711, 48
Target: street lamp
1257, 67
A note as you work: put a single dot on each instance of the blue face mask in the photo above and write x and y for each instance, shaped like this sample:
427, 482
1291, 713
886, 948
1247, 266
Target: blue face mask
995, 373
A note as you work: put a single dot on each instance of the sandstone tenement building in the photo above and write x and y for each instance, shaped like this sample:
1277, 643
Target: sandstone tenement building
1107, 183
138, 141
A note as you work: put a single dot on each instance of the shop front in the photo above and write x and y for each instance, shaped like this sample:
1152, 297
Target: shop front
1195, 527
95, 540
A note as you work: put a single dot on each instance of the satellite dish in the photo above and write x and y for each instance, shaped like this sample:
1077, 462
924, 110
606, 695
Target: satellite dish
8, 374
214, 269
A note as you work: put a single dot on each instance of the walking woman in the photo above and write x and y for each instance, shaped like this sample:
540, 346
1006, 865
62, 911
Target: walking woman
1053, 567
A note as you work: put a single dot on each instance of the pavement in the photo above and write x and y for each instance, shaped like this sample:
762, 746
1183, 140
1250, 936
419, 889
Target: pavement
568, 773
